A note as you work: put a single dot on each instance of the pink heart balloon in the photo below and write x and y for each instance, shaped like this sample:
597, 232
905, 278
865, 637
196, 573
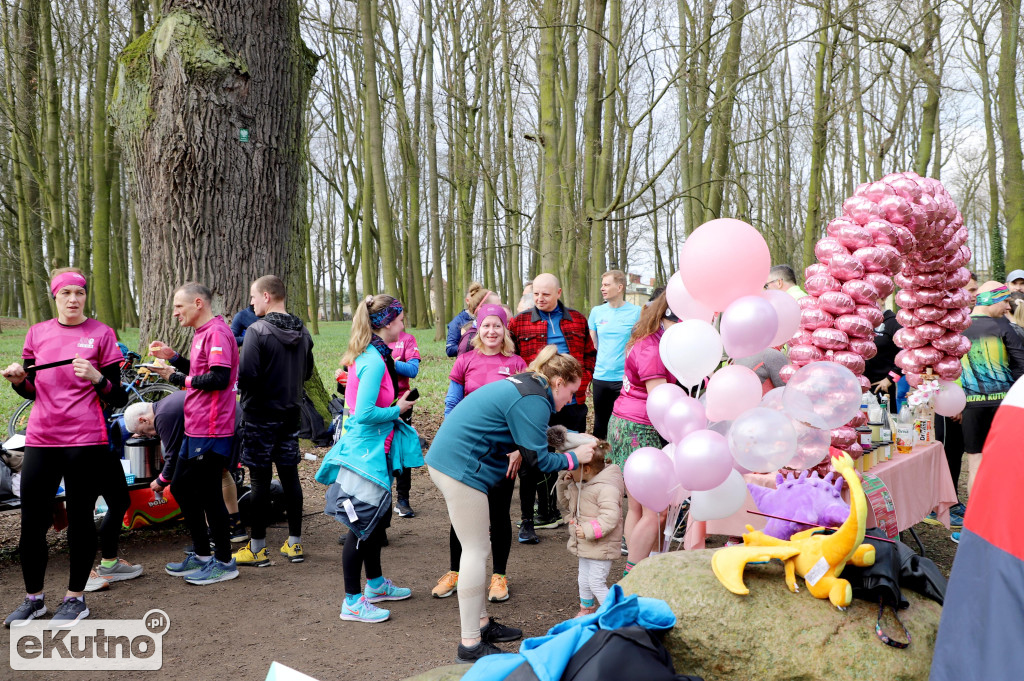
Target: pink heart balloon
908, 318
819, 284
864, 347
807, 301
862, 292
836, 303
908, 338
805, 353
850, 360
830, 339
815, 318
845, 267
855, 326
828, 248
881, 283
870, 313
948, 368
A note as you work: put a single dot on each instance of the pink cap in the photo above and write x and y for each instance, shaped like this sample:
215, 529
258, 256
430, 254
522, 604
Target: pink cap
490, 310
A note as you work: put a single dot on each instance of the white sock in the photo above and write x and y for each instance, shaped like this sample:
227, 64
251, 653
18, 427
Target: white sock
256, 544
293, 540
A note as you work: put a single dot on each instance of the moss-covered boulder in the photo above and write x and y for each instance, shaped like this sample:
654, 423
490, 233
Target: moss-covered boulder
452, 672
774, 635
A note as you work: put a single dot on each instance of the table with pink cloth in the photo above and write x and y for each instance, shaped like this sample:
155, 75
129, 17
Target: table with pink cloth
919, 483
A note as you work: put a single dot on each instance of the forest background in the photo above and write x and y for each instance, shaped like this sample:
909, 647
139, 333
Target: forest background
395, 145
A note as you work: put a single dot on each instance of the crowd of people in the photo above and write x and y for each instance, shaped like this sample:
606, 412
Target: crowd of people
515, 408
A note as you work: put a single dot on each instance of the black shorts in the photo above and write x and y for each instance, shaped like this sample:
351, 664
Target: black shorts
270, 442
976, 423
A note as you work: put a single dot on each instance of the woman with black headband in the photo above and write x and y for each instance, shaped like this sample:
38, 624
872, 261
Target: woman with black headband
366, 447
71, 368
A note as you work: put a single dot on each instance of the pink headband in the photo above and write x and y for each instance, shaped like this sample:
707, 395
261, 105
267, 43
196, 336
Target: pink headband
66, 279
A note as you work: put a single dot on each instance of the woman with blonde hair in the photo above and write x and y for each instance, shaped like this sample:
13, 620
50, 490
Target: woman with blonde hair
491, 358
371, 448
472, 452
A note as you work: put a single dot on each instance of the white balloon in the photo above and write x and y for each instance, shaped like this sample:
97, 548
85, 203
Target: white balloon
691, 349
762, 440
720, 502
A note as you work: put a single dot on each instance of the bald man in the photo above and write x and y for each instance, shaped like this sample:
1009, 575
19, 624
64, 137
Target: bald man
550, 322
995, 361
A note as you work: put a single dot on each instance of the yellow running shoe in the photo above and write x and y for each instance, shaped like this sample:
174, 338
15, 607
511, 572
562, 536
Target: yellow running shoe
293, 552
246, 557
499, 589
446, 586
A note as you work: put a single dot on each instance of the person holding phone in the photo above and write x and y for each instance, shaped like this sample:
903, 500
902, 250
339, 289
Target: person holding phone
71, 368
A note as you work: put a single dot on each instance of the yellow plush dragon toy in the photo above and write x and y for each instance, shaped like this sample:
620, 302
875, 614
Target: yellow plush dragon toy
815, 554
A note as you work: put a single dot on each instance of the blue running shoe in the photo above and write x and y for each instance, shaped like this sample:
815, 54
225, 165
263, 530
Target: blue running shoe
363, 611
386, 592
214, 571
955, 537
189, 566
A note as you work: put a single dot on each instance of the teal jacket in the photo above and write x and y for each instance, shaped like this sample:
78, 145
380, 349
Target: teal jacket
475, 439
361, 447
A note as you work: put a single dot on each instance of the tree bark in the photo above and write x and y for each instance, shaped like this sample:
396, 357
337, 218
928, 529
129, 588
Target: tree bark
1013, 160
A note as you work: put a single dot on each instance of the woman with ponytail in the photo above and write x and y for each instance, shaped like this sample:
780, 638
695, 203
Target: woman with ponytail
370, 448
476, 296
471, 454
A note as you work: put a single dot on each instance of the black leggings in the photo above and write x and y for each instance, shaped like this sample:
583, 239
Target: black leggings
197, 488
260, 477
403, 481
605, 394
81, 468
499, 501
114, 490
358, 555
953, 442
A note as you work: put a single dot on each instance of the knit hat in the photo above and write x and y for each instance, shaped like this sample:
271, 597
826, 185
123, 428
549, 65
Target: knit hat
489, 310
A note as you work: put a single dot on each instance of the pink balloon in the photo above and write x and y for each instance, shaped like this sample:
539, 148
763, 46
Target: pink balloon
682, 303
850, 360
908, 318
722, 260
948, 342
908, 338
930, 313
786, 372
864, 347
702, 461
963, 348
925, 357
907, 299
815, 269
949, 368
950, 400
659, 401
731, 391
854, 237
685, 416
806, 353
855, 326
802, 337
959, 278
930, 332
815, 318
787, 310
807, 302
873, 258
929, 296
821, 283
882, 283
830, 339
871, 313
862, 292
827, 248
859, 420
748, 326
836, 303
649, 478
845, 267
843, 437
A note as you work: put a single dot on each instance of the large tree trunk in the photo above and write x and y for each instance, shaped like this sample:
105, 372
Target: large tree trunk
1013, 160
209, 110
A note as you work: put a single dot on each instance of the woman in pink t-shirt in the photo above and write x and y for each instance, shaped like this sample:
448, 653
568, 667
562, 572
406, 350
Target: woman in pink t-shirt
629, 427
71, 368
491, 357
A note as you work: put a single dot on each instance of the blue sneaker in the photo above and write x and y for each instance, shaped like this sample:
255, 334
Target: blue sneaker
955, 537
363, 611
958, 509
214, 571
189, 566
386, 592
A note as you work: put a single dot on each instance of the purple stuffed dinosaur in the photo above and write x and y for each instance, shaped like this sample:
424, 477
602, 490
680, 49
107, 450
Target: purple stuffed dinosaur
810, 499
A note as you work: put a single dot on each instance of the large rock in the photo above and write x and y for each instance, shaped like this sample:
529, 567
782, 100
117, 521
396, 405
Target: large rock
774, 635
452, 672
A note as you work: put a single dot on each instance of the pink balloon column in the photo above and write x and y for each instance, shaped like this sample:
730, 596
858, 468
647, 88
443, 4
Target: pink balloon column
905, 226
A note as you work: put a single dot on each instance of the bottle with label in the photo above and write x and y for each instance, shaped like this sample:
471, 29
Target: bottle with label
924, 424
905, 435
885, 431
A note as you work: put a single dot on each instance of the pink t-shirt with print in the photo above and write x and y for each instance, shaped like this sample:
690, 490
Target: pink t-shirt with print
403, 350
67, 411
474, 369
643, 363
211, 413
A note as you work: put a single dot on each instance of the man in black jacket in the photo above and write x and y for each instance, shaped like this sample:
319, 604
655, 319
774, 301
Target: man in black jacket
276, 359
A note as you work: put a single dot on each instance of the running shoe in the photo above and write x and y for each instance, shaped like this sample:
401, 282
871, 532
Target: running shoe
494, 632
26, 612
446, 586
214, 571
386, 592
403, 509
121, 571
246, 557
96, 583
70, 613
236, 531
527, 535
293, 552
474, 653
955, 537
549, 523
498, 590
185, 568
363, 611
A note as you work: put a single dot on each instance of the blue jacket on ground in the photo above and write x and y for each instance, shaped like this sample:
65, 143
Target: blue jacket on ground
474, 440
549, 655
451, 345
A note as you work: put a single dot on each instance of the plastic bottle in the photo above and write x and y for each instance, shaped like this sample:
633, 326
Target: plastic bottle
905, 434
924, 424
885, 431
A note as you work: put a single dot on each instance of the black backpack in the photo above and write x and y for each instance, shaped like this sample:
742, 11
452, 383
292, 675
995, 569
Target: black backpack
311, 424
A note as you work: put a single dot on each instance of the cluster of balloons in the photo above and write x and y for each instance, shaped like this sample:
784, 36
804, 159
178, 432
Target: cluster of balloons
734, 427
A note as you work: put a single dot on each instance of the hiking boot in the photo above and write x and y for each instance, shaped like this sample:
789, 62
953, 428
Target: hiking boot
499, 589
494, 632
96, 583
446, 586
26, 612
474, 653
363, 611
246, 557
404, 509
236, 531
70, 612
386, 592
549, 523
121, 571
527, 535
185, 568
293, 552
214, 571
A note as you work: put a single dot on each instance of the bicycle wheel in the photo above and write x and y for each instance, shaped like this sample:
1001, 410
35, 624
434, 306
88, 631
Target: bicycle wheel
154, 392
19, 420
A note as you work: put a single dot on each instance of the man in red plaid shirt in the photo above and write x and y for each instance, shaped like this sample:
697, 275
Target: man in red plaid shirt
549, 322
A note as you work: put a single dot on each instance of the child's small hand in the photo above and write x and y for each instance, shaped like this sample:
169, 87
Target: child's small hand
579, 533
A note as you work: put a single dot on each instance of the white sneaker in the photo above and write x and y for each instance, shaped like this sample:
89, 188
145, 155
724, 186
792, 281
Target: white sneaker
96, 583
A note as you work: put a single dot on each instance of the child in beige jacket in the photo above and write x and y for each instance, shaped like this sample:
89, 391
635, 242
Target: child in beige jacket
590, 499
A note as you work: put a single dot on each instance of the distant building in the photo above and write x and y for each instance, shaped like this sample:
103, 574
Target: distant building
638, 291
